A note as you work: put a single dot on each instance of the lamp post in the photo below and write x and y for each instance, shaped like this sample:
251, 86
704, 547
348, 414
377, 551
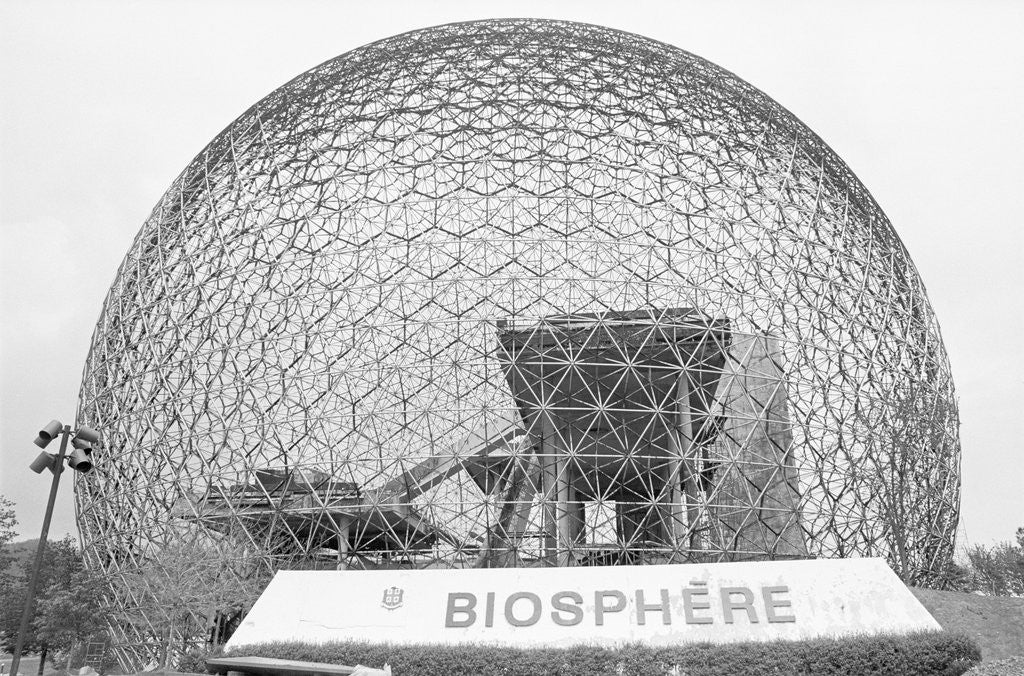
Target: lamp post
79, 460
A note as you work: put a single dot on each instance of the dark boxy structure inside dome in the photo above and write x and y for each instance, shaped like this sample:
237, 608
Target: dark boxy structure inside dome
511, 293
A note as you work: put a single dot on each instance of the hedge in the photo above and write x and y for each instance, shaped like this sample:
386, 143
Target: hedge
919, 654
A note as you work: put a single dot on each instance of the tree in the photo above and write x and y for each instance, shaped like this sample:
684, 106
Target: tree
67, 614
185, 587
909, 463
56, 566
998, 570
64, 613
8, 585
8, 521
9, 619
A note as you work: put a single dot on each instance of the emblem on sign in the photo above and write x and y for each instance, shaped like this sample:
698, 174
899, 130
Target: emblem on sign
392, 598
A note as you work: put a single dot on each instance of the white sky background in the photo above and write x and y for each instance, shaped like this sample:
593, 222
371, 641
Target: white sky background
102, 104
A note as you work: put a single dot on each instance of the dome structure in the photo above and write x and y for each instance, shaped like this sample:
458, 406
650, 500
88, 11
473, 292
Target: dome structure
511, 293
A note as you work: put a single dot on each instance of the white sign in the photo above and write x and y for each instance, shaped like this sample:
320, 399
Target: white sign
718, 602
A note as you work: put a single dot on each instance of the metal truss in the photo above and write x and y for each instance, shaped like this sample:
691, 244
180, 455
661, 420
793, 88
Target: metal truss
509, 293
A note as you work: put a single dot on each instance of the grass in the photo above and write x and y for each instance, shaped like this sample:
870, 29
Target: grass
996, 623
29, 665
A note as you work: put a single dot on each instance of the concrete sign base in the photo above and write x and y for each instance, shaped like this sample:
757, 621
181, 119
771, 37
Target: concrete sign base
658, 605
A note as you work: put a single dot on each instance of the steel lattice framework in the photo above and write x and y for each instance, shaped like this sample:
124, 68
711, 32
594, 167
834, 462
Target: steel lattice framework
511, 293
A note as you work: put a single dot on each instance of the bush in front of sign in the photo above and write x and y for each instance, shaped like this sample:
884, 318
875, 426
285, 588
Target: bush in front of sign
920, 654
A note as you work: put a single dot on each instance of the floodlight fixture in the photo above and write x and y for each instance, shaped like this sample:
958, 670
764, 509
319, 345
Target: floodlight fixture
49, 433
81, 444
43, 461
87, 434
79, 461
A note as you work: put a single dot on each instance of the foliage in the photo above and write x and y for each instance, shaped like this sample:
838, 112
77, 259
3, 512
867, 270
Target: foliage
69, 614
952, 577
194, 660
8, 583
920, 654
8, 521
993, 571
914, 461
59, 559
10, 617
997, 570
179, 608
67, 602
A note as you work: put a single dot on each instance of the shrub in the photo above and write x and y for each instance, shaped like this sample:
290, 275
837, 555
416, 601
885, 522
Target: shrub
920, 654
194, 660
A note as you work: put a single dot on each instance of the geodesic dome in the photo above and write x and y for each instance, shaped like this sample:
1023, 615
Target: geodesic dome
511, 293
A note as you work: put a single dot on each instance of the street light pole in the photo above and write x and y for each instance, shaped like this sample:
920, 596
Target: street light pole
26, 614
79, 460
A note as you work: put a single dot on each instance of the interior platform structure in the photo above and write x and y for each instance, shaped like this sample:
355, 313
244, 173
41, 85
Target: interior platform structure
618, 407
636, 437
305, 518
660, 437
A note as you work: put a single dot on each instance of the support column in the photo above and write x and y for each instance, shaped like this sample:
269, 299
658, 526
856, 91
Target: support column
550, 489
683, 473
505, 537
563, 510
757, 493
344, 548
564, 523
627, 523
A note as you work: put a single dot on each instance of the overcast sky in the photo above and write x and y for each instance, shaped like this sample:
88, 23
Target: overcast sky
104, 103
